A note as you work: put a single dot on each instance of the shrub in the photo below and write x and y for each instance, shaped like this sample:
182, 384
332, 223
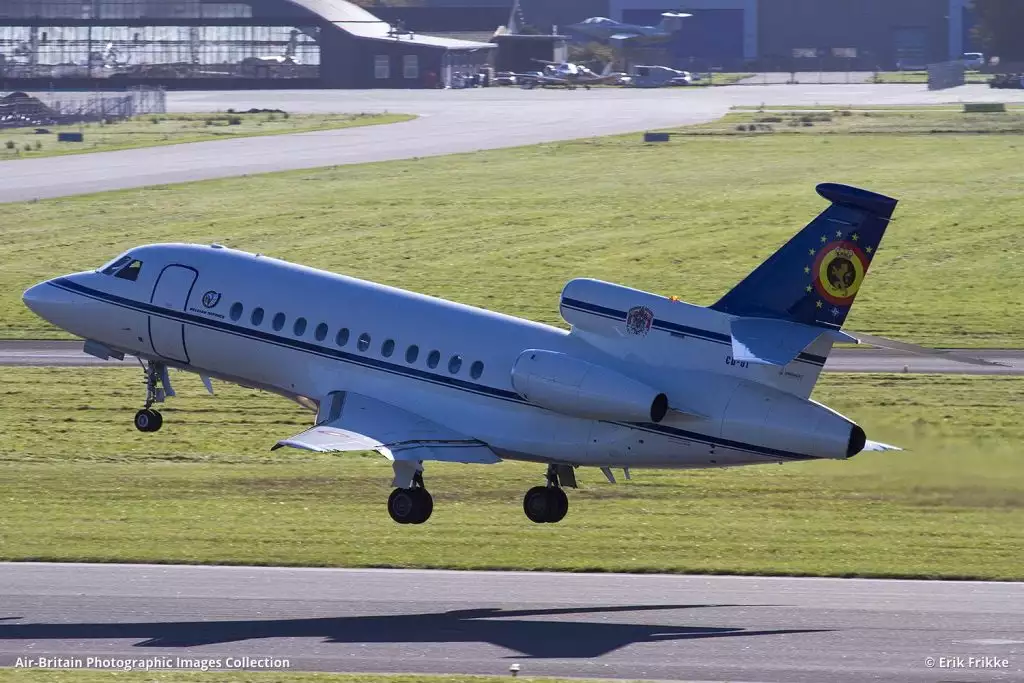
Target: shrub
11, 144
234, 120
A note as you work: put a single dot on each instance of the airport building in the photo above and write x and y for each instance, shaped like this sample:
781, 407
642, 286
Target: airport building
807, 35
220, 44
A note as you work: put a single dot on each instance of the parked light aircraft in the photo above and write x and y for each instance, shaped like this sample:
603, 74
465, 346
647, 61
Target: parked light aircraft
640, 380
565, 74
603, 28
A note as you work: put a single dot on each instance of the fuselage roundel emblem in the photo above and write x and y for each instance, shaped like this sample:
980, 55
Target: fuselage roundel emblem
211, 299
639, 320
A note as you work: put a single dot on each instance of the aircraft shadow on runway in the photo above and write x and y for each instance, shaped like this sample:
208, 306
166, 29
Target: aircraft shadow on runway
511, 629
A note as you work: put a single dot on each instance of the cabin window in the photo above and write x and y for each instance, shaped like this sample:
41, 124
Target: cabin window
299, 328
342, 337
412, 353
433, 359
476, 369
388, 348
321, 332
455, 364
257, 317
364, 342
131, 271
236, 310
278, 322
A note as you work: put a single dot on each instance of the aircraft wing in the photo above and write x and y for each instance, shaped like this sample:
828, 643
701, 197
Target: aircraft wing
622, 36
353, 422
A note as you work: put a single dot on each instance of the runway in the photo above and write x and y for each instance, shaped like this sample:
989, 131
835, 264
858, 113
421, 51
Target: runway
449, 121
586, 625
69, 354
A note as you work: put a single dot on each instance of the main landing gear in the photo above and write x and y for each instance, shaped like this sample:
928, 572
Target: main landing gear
547, 504
411, 505
158, 387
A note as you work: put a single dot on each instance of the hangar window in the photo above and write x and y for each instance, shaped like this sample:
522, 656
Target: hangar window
388, 348
433, 359
236, 310
382, 67
257, 316
411, 66
131, 271
364, 342
321, 332
300, 327
412, 353
278, 322
455, 364
476, 369
342, 337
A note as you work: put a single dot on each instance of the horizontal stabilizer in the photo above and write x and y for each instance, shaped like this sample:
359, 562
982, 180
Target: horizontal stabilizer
879, 446
767, 341
956, 356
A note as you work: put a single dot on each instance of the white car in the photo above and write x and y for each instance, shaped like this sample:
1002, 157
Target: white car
973, 60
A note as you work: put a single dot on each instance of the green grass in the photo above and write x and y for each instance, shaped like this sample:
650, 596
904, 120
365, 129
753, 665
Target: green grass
98, 676
77, 482
850, 121
172, 129
505, 229
922, 77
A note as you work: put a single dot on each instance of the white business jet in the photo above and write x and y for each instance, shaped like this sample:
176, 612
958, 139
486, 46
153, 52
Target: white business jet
639, 381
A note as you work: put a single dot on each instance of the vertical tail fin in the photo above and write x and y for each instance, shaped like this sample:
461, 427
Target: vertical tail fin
813, 279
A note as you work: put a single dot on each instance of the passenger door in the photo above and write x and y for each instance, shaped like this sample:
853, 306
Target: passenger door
170, 294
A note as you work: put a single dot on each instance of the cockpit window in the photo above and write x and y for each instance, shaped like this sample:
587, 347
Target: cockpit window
116, 264
130, 271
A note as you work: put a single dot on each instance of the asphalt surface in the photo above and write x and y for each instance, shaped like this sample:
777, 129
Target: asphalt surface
449, 121
599, 625
69, 353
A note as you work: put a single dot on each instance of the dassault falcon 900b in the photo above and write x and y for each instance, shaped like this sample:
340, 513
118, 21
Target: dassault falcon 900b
639, 381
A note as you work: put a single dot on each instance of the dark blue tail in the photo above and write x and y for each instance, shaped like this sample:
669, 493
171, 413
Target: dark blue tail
814, 278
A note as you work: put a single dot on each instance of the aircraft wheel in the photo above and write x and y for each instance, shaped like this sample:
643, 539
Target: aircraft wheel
559, 504
147, 420
537, 504
410, 506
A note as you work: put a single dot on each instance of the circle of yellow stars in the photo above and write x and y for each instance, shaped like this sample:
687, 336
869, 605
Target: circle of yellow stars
812, 252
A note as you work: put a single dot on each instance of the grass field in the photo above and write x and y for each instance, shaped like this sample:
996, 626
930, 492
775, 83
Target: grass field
172, 129
96, 676
922, 77
505, 229
77, 482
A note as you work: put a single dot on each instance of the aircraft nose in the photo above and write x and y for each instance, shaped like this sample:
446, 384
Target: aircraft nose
43, 299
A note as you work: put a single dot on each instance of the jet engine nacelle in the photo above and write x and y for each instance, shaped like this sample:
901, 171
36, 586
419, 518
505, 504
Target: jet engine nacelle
576, 387
758, 414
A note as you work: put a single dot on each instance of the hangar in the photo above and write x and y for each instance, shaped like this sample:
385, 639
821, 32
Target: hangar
219, 44
801, 35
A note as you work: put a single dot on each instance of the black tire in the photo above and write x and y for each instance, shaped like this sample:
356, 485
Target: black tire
158, 421
424, 504
144, 420
537, 504
559, 503
402, 506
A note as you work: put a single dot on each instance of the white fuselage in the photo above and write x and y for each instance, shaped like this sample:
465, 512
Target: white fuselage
193, 307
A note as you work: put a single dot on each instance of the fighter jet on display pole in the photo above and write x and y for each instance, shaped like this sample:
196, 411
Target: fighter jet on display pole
640, 380
603, 28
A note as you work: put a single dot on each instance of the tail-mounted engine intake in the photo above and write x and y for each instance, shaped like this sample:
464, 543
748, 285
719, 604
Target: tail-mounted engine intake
576, 387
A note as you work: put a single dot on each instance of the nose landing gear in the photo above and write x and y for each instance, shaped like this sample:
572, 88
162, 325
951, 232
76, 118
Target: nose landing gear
546, 504
147, 419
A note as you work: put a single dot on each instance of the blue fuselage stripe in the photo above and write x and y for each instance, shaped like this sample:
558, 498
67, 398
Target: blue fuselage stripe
385, 366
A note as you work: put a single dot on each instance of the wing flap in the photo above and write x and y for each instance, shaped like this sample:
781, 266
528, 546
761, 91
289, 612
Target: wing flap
353, 422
